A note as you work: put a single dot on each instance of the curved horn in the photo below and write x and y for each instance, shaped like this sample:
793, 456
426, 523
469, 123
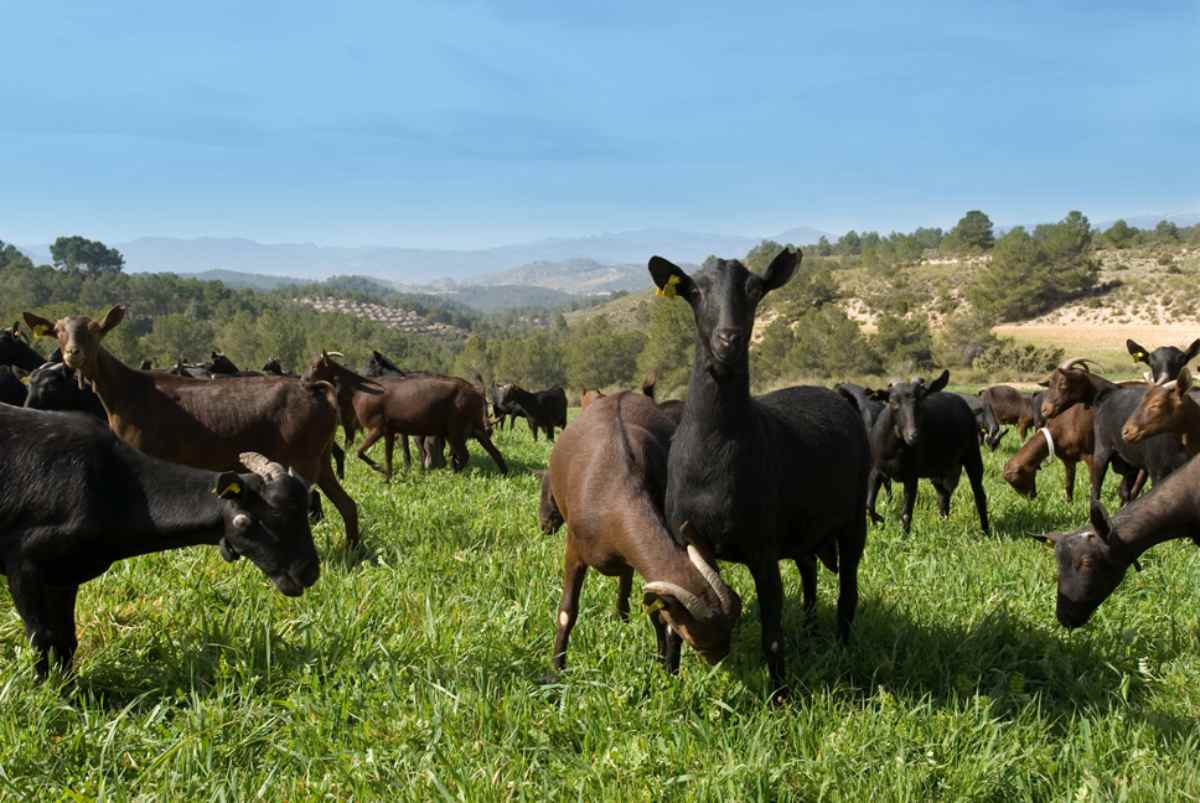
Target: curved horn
261, 466
337, 354
1081, 361
697, 607
713, 578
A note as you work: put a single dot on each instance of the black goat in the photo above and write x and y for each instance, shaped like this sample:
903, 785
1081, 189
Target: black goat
989, 431
55, 386
274, 367
1093, 560
74, 499
543, 409
12, 386
14, 350
502, 411
767, 478
1165, 361
865, 400
924, 433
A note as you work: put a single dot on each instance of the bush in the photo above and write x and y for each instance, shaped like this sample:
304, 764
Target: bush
1008, 357
963, 339
904, 342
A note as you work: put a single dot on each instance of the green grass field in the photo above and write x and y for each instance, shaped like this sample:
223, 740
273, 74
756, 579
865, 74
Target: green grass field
415, 671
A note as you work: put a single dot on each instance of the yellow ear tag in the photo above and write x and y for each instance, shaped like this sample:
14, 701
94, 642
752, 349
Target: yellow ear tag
669, 290
232, 489
40, 330
657, 605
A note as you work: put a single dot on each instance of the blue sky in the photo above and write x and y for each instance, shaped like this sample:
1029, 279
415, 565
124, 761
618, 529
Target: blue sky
465, 124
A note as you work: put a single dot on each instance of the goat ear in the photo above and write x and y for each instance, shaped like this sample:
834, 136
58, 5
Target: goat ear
1100, 520
39, 325
939, 383
670, 279
228, 485
652, 602
1192, 350
1138, 353
111, 319
1183, 382
781, 269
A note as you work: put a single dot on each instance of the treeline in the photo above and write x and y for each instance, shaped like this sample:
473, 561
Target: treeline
172, 318
806, 330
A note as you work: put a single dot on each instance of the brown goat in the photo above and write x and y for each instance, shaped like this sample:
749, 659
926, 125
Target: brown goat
1009, 406
1072, 438
387, 406
206, 424
607, 477
1167, 408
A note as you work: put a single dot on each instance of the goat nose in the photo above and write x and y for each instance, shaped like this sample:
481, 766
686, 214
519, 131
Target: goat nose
728, 337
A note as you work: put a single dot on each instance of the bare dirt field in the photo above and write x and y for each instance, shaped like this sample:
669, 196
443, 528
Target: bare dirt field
1104, 343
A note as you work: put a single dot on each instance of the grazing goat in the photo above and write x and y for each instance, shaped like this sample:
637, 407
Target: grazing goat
432, 448
206, 424
388, 406
543, 409
54, 386
989, 431
74, 500
1093, 560
1068, 436
606, 482
1165, 361
1009, 406
767, 478
924, 433
1073, 383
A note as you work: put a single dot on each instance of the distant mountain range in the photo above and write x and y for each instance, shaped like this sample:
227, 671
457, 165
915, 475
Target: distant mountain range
418, 265
549, 273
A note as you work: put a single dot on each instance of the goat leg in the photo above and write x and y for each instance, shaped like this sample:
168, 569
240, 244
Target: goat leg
624, 589
574, 571
910, 499
768, 586
874, 480
807, 565
49, 618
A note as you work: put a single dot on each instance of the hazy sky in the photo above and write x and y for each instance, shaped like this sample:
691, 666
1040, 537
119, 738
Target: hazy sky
476, 123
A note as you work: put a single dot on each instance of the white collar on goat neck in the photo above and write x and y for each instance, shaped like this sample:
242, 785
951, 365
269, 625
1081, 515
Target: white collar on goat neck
1049, 440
